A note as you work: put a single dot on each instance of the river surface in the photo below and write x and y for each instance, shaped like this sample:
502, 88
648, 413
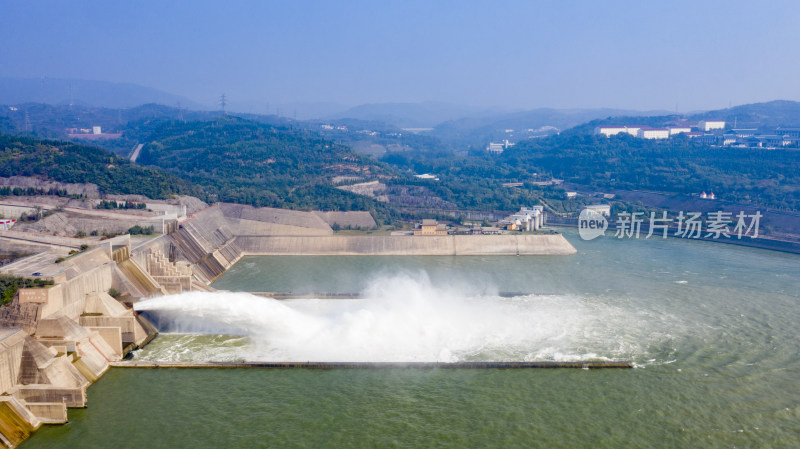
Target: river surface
711, 328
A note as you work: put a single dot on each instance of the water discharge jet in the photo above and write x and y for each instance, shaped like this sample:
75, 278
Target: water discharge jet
401, 318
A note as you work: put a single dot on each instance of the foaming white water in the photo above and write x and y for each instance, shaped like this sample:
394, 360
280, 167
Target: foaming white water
401, 318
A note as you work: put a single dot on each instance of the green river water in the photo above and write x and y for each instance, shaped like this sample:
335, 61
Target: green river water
712, 330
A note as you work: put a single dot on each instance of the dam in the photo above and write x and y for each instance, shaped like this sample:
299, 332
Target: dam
711, 331
707, 328
62, 338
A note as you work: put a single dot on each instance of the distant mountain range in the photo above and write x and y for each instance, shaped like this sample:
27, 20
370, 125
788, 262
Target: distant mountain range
524, 124
42, 106
447, 115
58, 91
414, 115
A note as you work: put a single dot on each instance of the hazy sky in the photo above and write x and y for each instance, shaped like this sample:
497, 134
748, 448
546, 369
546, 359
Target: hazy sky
522, 54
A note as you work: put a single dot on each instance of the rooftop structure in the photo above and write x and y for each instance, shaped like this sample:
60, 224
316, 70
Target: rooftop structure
744, 132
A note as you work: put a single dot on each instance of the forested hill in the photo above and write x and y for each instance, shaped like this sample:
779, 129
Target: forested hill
73, 163
677, 165
236, 160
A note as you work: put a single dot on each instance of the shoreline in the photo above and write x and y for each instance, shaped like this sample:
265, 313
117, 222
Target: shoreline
547, 364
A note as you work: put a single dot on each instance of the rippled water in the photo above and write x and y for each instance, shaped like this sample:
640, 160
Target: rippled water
712, 329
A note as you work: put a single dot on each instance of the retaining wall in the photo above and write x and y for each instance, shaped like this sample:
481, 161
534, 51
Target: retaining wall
450, 245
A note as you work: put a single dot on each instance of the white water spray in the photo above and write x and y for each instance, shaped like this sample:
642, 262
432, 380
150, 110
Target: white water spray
401, 318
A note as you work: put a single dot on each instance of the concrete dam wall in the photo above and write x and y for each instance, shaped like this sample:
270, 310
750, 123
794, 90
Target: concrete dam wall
367, 245
215, 238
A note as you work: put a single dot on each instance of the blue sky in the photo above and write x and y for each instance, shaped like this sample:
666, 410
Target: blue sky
517, 54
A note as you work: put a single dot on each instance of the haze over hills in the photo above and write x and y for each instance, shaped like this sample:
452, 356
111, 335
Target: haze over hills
370, 128
86, 92
425, 114
523, 124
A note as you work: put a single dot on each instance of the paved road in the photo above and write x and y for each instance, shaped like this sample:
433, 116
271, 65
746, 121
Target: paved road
136, 151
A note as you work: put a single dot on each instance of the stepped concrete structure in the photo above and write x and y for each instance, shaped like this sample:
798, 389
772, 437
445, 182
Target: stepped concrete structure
57, 340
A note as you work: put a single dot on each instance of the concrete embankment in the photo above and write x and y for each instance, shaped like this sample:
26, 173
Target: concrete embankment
214, 239
450, 245
378, 365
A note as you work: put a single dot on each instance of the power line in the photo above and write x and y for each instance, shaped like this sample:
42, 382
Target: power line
27, 123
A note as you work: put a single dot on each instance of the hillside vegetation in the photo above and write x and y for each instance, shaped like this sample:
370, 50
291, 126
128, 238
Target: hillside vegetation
74, 163
677, 165
241, 161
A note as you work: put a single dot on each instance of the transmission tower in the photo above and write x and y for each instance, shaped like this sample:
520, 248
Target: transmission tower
222, 103
27, 123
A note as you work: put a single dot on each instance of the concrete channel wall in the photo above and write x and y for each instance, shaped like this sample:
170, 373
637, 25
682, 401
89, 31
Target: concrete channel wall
450, 245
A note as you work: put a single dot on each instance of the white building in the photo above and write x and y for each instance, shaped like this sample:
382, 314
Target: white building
499, 147
528, 218
678, 130
708, 125
96, 130
730, 139
653, 133
495, 148
609, 131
